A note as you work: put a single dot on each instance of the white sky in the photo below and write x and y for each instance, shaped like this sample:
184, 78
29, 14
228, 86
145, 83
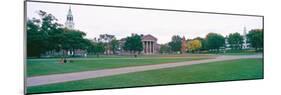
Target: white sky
121, 22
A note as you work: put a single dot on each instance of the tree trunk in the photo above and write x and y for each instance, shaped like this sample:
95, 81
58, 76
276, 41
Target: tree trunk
73, 52
135, 55
113, 51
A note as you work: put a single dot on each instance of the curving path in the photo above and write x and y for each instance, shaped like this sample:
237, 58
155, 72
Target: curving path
57, 78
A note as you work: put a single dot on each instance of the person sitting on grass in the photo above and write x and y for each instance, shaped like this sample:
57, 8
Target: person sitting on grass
63, 60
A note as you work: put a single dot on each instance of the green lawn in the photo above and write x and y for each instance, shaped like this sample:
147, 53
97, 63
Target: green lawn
235, 52
239, 53
215, 71
36, 67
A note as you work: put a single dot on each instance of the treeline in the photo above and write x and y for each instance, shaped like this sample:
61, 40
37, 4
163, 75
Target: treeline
107, 44
214, 42
46, 35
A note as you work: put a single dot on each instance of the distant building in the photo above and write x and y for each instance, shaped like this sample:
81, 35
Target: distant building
150, 45
246, 44
69, 23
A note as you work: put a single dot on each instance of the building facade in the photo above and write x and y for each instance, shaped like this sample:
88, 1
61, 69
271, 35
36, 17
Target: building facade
150, 45
149, 42
245, 45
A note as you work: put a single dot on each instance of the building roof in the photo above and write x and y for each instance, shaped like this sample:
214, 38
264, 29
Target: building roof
148, 37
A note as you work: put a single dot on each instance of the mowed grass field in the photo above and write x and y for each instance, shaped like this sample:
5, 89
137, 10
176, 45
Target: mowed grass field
37, 67
214, 71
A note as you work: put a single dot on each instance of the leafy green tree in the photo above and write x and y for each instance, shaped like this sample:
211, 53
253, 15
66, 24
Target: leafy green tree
45, 34
133, 44
255, 38
107, 39
56, 39
235, 40
114, 45
99, 48
96, 48
73, 40
49, 22
215, 41
42, 34
165, 48
49, 26
36, 39
203, 41
176, 43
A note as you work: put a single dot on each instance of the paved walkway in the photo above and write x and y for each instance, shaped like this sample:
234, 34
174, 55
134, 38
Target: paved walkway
57, 78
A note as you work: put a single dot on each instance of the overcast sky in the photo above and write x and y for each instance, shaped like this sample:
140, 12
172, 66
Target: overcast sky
121, 22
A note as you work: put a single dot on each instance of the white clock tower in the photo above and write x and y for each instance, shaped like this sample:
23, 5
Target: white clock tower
69, 19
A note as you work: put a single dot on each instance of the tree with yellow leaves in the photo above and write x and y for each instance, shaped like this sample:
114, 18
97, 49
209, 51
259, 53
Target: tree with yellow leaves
194, 45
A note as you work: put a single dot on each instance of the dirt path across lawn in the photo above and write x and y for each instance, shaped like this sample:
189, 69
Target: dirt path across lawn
57, 78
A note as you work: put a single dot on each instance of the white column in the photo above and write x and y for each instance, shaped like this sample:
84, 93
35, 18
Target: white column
150, 44
152, 47
146, 47
143, 48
